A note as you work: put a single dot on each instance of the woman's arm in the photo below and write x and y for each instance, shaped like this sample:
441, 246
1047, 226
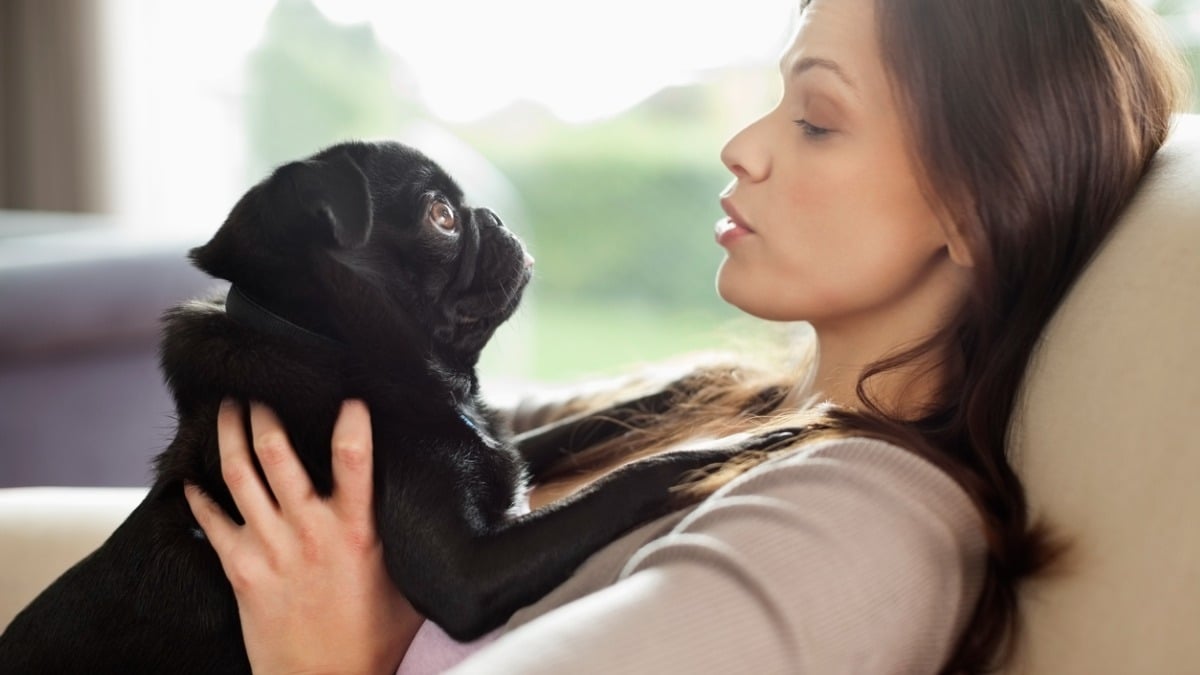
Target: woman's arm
853, 556
312, 591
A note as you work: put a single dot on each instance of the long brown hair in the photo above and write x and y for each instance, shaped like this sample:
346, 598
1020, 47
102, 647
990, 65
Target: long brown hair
1033, 122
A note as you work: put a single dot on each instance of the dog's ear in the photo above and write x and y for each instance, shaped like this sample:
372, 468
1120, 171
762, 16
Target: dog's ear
329, 194
324, 201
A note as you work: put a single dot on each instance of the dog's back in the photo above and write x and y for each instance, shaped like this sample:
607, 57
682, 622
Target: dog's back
153, 598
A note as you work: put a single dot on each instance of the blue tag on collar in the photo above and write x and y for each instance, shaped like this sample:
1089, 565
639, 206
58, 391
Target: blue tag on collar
467, 420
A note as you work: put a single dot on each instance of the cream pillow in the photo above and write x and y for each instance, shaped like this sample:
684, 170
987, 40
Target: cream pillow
1107, 441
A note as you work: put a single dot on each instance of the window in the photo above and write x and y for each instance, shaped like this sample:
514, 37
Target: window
593, 128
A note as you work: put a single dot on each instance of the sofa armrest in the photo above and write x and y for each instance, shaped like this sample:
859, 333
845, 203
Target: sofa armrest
82, 401
46, 530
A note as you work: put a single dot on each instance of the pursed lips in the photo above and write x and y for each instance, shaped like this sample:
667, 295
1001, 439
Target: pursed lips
734, 217
732, 226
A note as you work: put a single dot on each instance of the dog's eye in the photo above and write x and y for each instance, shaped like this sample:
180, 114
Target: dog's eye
441, 215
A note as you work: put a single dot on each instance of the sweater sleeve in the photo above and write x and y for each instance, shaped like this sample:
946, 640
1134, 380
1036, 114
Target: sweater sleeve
849, 556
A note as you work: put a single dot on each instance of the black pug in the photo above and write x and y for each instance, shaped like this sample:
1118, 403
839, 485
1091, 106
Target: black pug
358, 272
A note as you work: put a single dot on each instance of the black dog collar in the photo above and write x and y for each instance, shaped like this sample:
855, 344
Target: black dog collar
245, 310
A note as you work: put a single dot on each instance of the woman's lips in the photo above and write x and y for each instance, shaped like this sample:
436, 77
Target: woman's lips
731, 227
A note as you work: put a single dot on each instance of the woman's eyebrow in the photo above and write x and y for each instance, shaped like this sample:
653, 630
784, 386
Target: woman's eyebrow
809, 62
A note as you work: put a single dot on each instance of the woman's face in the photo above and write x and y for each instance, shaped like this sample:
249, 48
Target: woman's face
827, 219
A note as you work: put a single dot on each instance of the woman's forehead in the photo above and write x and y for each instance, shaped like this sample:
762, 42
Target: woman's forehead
837, 37
837, 25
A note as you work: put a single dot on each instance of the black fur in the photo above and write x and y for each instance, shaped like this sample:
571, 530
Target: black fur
340, 244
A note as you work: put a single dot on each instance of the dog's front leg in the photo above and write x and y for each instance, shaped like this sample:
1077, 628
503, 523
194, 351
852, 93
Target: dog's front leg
468, 569
433, 496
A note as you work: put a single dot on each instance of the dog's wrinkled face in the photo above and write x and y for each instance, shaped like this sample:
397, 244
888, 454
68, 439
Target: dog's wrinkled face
369, 235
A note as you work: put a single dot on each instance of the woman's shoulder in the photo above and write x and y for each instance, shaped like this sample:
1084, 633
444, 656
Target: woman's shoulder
826, 546
882, 545
866, 471
835, 508
862, 453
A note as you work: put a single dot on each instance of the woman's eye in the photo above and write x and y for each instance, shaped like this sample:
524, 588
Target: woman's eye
441, 215
811, 130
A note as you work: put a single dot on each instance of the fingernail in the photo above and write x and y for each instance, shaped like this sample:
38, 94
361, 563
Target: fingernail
228, 403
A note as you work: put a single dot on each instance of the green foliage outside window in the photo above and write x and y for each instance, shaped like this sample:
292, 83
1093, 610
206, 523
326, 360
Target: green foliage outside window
620, 212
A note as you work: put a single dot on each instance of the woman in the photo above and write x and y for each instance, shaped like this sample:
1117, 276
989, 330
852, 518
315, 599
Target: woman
933, 179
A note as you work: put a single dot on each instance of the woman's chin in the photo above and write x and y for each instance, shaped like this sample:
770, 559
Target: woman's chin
739, 296
725, 286
762, 302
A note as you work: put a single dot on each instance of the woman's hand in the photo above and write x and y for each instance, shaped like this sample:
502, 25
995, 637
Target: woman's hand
308, 573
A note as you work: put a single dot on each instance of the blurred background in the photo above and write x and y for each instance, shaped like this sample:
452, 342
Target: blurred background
128, 128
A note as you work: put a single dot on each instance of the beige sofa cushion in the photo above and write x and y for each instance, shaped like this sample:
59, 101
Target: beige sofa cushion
1109, 446
45, 530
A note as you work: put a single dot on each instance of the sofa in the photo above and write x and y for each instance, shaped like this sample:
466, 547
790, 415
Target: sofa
82, 402
1102, 438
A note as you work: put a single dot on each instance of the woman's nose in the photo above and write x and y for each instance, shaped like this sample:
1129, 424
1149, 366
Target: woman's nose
746, 155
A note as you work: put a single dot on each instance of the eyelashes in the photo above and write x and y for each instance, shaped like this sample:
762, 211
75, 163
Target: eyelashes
813, 131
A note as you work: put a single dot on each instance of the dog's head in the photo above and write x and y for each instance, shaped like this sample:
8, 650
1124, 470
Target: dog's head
369, 244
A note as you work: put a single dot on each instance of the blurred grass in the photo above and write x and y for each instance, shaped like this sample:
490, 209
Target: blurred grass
620, 217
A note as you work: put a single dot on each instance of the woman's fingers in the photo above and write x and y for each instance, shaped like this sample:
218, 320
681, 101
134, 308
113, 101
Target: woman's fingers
288, 484
218, 527
285, 475
312, 590
249, 494
352, 468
